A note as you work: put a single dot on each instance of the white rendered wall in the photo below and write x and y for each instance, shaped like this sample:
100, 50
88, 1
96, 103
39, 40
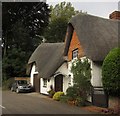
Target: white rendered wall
96, 79
43, 89
70, 73
96, 72
61, 70
32, 74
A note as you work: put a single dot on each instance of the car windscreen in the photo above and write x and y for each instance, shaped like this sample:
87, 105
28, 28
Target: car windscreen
22, 82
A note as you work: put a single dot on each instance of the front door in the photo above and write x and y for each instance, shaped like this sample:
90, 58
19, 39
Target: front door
36, 83
59, 83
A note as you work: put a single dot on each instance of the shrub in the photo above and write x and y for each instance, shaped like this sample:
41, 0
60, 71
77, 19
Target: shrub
71, 92
6, 85
51, 93
80, 101
64, 98
110, 72
57, 95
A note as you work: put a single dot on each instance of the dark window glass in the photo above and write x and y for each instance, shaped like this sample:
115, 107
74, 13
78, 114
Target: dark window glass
75, 53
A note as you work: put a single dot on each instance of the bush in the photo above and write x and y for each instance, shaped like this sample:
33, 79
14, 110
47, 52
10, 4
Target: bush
71, 92
80, 101
81, 78
51, 93
57, 95
110, 72
64, 98
6, 85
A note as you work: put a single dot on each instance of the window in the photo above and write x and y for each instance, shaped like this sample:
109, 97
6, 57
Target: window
75, 53
44, 82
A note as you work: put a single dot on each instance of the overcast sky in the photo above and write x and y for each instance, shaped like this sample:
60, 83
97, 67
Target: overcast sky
101, 8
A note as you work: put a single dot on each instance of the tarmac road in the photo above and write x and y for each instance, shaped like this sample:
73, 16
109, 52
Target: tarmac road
35, 103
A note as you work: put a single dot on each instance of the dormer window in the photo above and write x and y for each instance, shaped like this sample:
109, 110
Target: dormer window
75, 53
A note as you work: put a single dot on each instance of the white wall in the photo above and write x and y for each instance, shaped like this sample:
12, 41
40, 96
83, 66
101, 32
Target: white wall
96, 79
61, 70
96, 72
70, 74
43, 89
66, 83
66, 79
32, 74
65, 69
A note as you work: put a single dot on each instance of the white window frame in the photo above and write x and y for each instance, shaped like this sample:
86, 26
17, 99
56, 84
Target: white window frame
75, 53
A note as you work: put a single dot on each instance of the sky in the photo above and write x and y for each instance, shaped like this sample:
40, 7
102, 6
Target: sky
101, 8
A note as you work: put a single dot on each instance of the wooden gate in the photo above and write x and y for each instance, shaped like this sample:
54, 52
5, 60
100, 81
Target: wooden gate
99, 97
36, 83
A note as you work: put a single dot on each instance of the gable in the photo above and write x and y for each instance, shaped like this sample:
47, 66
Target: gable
75, 44
96, 35
48, 58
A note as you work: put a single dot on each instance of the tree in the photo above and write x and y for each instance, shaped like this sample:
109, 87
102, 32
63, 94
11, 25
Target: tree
23, 24
63, 10
111, 72
60, 16
34, 16
56, 30
13, 64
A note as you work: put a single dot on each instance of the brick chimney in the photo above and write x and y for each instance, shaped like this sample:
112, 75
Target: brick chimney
115, 15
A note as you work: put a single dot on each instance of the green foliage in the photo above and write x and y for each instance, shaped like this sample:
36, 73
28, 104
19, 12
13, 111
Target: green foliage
71, 92
13, 64
63, 9
80, 101
64, 98
111, 72
56, 30
60, 16
51, 93
57, 95
30, 14
81, 79
74, 95
82, 76
23, 24
6, 85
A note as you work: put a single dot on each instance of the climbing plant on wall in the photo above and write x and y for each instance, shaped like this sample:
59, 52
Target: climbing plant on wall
81, 78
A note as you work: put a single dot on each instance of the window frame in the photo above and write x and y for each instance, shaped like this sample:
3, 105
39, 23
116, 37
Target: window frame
44, 82
75, 53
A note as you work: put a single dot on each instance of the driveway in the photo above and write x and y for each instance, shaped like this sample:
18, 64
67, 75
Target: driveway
35, 103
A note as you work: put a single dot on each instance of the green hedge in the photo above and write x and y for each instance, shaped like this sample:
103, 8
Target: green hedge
111, 72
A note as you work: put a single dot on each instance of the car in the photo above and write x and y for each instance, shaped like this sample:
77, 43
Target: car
21, 86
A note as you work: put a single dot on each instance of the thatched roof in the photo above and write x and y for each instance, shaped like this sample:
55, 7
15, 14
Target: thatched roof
48, 58
96, 35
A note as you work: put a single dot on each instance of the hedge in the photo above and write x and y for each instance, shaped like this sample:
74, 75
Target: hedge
111, 72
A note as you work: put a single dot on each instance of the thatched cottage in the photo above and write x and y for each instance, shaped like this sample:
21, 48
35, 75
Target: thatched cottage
92, 37
47, 67
87, 36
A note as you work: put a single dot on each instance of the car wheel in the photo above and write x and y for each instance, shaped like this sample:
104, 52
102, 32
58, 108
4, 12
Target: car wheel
12, 89
17, 90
